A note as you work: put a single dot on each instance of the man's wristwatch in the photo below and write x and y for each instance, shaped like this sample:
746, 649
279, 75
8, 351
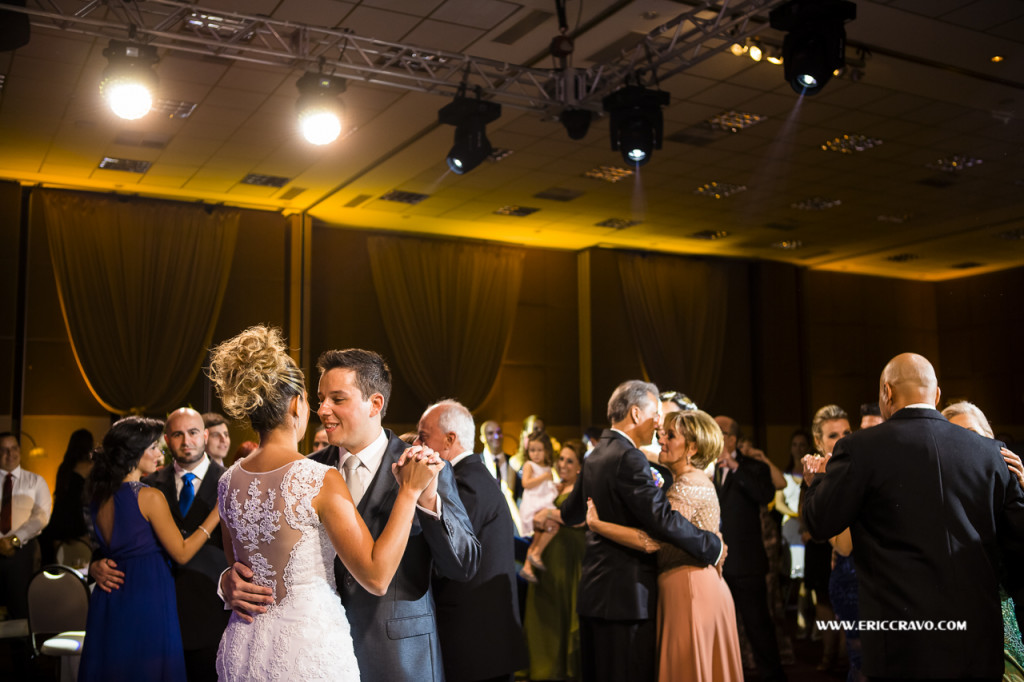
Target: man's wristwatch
15, 542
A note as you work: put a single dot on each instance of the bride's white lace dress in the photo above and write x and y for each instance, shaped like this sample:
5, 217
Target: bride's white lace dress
304, 635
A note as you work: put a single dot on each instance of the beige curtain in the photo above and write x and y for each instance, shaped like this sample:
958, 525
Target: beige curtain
448, 309
677, 310
140, 285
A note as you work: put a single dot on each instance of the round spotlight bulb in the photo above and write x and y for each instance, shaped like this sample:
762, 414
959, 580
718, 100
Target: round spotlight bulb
636, 155
738, 49
806, 80
319, 126
775, 60
128, 99
756, 53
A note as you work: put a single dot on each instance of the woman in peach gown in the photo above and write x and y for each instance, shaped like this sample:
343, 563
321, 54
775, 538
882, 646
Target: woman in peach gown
697, 636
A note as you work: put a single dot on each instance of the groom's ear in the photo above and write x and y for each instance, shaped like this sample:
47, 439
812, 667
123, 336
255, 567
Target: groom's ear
376, 404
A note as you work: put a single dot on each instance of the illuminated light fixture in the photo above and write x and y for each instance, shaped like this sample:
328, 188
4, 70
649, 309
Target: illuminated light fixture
128, 83
755, 52
319, 109
815, 44
738, 50
997, 58
470, 118
710, 235
734, 121
636, 124
788, 245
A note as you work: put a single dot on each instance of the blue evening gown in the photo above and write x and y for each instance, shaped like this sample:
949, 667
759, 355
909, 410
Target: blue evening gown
132, 633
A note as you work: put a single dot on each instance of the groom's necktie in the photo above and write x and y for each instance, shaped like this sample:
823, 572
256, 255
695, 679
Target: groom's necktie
355, 484
188, 493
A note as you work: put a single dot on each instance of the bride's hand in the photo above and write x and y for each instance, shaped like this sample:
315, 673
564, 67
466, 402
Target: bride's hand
592, 517
417, 474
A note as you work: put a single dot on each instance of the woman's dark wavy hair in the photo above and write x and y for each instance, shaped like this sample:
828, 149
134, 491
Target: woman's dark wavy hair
79, 450
120, 452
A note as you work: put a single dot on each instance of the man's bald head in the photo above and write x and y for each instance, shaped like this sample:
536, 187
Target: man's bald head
908, 378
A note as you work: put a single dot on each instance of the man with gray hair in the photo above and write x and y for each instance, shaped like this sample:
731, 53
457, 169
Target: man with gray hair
618, 592
469, 650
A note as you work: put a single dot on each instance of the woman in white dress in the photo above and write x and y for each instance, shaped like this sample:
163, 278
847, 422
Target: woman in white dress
285, 517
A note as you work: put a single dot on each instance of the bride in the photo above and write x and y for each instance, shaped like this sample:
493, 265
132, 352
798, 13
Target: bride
285, 517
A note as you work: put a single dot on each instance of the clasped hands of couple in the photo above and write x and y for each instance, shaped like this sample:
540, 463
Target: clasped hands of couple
416, 472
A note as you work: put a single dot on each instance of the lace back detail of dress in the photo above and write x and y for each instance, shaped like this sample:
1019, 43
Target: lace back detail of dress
692, 495
272, 521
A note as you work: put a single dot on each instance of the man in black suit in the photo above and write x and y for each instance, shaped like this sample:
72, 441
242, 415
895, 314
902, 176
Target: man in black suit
478, 621
618, 593
929, 504
395, 636
744, 485
190, 486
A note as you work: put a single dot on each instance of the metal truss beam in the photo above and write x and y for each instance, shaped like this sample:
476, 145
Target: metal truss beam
176, 26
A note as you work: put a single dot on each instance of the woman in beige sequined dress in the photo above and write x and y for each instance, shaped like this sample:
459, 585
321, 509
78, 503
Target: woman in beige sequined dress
697, 636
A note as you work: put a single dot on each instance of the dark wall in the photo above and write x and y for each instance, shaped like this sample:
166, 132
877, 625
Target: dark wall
10, 221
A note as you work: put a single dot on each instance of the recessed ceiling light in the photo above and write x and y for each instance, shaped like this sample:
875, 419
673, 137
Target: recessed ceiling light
265, 180
608, 173
617, 223
997, 58
499, 154
719, 190
734, 121
1016, 234
848, 144
517, 211
816, 204
710, 235
129, 165
788, 245
954, 163
411, 198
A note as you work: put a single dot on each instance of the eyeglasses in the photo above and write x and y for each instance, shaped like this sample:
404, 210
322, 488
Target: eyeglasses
681, 400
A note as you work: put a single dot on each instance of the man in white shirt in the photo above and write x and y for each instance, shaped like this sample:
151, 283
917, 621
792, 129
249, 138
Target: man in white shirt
24, 512
471, 653
218, 439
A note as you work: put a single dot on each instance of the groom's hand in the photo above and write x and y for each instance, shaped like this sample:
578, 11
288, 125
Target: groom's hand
242, 596
428, 498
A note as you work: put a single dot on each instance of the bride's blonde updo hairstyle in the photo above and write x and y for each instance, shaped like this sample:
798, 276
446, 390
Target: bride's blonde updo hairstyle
255, 377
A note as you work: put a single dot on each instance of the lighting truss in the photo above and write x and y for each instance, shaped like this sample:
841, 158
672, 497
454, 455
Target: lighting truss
704, 30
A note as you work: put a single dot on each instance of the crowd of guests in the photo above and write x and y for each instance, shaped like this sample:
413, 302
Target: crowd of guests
664, 547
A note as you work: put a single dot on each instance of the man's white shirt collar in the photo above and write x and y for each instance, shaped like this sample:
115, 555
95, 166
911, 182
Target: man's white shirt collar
370, 456
199, 471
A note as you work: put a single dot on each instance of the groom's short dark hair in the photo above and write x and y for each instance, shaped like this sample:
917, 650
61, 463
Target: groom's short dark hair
372, 372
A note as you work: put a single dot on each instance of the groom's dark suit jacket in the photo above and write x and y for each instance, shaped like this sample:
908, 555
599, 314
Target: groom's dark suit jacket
929, 505
395, 636
618, 583
200, 611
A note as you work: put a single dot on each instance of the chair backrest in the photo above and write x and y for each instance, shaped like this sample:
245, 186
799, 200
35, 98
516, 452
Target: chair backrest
58, 601
74, 553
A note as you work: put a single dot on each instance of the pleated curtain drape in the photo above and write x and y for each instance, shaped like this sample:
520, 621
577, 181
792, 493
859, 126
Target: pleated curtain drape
677, 310
448, 310
140, 285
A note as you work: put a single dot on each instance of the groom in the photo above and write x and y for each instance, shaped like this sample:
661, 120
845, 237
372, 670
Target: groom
395, 636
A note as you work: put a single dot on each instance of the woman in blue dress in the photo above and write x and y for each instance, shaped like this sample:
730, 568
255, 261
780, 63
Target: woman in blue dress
132, 633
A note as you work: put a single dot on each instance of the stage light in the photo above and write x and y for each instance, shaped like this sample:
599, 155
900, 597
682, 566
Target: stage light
755, 52
470, 118
319, 109
576, 122
635, 123
815, 44
128, 83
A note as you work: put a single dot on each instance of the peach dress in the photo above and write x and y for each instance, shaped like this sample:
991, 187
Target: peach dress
697, 636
